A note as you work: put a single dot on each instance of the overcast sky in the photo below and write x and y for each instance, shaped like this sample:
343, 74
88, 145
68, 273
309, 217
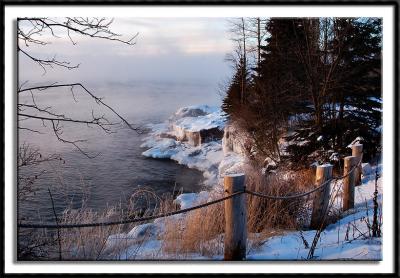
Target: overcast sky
186, 50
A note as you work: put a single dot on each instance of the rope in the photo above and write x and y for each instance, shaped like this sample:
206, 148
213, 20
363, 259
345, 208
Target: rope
135, 220
305, 193
290, 196
352, 169
125, 221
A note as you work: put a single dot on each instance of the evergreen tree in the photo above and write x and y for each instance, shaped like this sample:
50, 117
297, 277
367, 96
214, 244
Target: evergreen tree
318, 83
349, 90
359, 103
235, 99
277, 87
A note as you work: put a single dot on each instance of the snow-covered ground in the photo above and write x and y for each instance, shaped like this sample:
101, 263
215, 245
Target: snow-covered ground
347, 239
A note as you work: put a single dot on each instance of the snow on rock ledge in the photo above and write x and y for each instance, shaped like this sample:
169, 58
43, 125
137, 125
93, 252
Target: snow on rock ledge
191, 137
198, 124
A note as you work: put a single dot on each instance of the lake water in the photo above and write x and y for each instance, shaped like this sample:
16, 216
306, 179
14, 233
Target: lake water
119, 169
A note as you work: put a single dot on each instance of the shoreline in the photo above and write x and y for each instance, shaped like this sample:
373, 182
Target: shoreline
161, 143
165, 141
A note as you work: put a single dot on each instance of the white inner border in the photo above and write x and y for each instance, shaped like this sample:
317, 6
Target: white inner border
385, 266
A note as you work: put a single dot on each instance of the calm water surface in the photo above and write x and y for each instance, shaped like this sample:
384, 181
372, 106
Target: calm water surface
119, 169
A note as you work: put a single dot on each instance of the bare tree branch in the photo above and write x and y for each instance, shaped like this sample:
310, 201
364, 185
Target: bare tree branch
97, 99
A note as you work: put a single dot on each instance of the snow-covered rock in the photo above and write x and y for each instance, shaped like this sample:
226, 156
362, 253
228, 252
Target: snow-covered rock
192, 138
193, 111
144, 230
164, 148
187, 200
198, 124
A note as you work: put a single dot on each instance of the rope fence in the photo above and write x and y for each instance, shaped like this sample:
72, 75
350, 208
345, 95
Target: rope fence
126, 221
153, 217
235, 206
320, 187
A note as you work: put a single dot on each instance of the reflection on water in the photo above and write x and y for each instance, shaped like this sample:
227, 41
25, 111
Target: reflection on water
119, 169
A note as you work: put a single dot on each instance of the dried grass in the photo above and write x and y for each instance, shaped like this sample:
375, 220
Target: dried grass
201, 231
266, 214
184, 237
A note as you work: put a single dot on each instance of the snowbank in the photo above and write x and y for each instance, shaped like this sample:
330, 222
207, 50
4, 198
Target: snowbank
218, 158
347, 239
188, 200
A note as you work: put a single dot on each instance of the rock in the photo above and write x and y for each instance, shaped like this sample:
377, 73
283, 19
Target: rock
212, 134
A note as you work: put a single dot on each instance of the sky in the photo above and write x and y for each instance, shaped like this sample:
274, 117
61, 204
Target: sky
186, 50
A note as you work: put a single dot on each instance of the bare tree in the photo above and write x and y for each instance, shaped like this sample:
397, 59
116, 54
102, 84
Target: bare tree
257, 33
239, 27
32, 31
40, 32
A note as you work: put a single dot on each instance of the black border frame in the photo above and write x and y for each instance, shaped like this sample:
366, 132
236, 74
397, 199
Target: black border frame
396, 23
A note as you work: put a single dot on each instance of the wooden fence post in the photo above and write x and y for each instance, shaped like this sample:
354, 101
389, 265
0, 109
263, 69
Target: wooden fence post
349, 182
321, 199
235, 219
357, 151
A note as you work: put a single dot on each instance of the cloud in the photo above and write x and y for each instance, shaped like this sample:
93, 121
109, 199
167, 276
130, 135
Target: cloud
175, 49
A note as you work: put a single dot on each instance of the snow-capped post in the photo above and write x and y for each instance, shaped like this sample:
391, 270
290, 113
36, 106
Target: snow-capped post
357, 151
321, 199
235, 219
349, 182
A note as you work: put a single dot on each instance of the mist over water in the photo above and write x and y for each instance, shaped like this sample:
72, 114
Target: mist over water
175, 62
119, 169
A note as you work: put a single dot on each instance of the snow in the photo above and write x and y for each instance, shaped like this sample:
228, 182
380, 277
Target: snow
237, 141
347, 239
235, 175
143, 230
334, 157
207, 121
219, 158
333, 243
356, 141
232, 163
376, 99
161, 149
194, 111
302, 143
165, 141
187, 200
366, 169
326, 165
